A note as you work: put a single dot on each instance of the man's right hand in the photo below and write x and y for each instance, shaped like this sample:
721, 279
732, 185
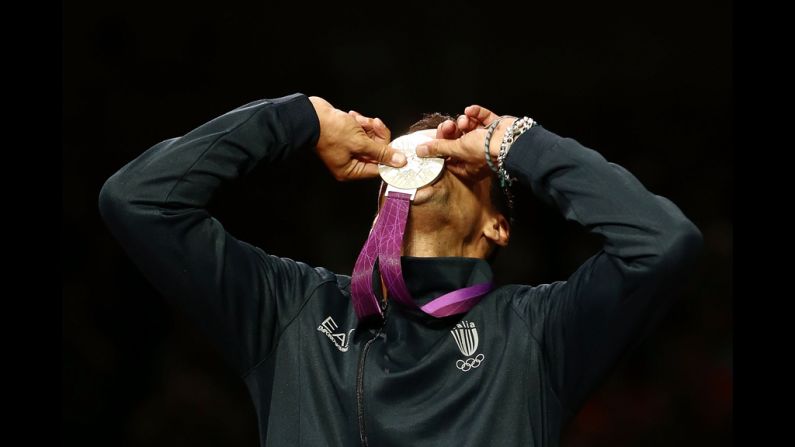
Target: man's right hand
462, 142
348, 148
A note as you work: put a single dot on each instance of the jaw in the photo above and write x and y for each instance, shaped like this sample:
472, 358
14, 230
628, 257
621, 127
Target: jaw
436, 191
425, 194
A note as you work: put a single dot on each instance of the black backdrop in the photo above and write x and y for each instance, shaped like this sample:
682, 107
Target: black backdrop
649, 85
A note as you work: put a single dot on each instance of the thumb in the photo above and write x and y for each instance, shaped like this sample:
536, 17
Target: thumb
439, 148
384, 154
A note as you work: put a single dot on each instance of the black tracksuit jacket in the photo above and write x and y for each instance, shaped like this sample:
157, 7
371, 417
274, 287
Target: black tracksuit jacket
526, 359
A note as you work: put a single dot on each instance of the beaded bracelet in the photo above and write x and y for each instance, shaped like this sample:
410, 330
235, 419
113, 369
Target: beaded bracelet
489, 132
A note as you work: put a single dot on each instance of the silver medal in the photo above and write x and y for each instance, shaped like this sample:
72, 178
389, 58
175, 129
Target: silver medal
417, 172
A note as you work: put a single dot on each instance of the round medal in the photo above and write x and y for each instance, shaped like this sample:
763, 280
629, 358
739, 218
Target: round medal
418, 172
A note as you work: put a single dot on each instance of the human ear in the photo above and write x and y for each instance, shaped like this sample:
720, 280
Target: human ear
497, 230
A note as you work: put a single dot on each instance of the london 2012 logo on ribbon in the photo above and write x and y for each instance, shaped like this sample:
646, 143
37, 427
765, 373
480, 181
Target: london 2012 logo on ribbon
465, 335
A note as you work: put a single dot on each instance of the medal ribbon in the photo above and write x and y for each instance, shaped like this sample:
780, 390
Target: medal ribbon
385, 243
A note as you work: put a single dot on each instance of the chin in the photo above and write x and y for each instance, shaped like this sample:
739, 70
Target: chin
423, 195
432, 192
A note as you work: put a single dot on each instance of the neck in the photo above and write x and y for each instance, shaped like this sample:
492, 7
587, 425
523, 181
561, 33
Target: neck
435, 238
433, 245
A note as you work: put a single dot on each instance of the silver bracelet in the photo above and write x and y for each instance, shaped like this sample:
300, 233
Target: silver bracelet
513, 132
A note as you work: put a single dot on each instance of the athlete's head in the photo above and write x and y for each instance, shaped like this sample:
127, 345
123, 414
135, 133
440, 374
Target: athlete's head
454, 216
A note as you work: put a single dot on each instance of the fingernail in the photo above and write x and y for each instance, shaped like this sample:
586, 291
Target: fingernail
398, 158
422, 151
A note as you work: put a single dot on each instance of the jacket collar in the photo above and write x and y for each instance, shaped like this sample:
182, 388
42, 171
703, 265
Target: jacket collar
430, 277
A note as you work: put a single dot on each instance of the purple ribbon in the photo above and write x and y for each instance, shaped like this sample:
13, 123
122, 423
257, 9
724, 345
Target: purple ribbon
385, 244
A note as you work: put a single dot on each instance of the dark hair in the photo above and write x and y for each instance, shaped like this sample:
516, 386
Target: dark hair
497, 196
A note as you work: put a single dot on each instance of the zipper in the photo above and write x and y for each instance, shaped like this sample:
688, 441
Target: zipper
360, 380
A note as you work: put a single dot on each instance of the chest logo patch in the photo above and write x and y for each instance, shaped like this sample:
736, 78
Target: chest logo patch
465, 335
340, 339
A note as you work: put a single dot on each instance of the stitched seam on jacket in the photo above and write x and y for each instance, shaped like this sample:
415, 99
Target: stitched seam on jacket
209, 148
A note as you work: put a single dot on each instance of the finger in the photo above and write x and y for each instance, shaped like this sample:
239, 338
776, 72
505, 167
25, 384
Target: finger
450, 130
447, 130
367, 170
361, 119
364, 122
367, 123
466, 124
375, 152
356, 170
462, 122
373, 126
459, 170
381, 130
439, 148
480, 114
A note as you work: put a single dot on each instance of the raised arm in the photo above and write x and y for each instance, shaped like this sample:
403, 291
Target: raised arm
608, 305
611, 302
155, 206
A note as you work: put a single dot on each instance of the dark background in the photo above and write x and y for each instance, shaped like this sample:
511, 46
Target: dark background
649, 85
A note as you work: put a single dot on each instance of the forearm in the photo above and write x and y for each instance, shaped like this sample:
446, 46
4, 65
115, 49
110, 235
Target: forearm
185, 172
638, 227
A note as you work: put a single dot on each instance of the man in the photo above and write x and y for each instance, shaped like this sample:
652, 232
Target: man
512, 370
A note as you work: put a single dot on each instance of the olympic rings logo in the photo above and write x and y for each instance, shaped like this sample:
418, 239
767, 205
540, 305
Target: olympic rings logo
470, 363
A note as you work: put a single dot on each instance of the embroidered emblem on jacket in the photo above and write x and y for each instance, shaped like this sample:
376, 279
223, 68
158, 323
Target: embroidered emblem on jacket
465, 335
340, 339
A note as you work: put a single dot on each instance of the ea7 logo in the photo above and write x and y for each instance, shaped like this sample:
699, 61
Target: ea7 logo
340, 339
465, 335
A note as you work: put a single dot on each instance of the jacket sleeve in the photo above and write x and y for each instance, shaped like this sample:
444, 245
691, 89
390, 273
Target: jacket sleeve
155, 206
611, 302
